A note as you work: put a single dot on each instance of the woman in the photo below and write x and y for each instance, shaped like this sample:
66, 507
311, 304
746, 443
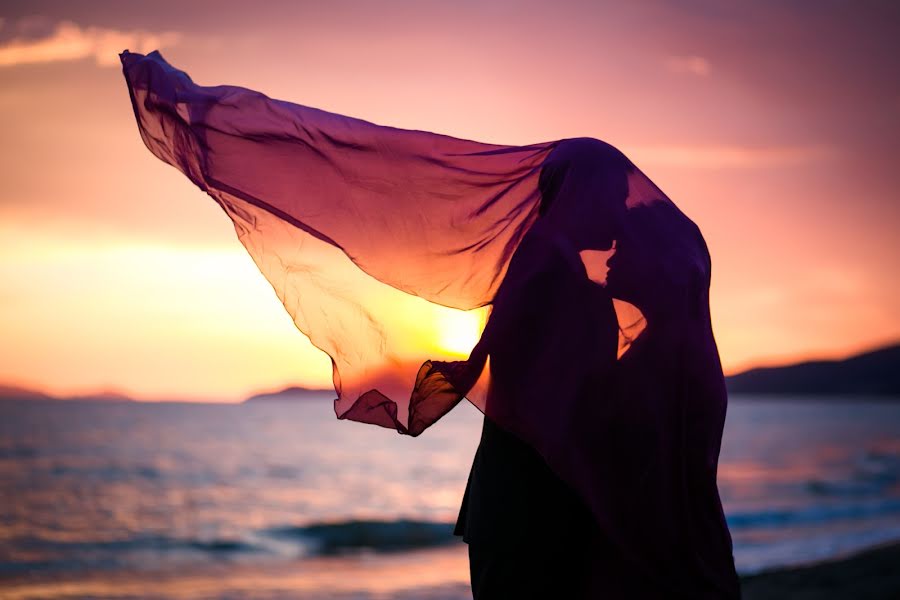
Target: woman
605, 400
651, 443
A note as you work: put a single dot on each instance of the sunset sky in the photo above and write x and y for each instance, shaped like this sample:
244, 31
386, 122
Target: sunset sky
774, 125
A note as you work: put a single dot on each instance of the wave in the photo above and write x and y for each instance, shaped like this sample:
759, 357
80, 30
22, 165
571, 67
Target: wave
160, 543
353, 535
384, 536
320, 538
873, 473
812, 515
47, 554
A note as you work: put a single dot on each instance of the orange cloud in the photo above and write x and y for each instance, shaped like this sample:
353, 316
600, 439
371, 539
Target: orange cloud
68, 41
688, 65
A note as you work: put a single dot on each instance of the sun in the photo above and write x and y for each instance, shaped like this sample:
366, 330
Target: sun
458, 331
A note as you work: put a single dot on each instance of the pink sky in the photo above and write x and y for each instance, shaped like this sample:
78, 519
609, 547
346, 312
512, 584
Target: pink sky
776, 128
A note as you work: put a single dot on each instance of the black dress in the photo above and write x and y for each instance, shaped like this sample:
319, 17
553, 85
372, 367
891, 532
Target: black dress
529, 534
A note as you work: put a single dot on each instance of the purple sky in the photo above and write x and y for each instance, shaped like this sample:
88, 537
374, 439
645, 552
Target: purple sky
774, 125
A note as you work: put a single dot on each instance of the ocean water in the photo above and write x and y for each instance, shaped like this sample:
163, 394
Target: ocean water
280, 499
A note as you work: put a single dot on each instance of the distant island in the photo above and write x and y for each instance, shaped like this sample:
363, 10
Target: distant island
874, 373
11, 392
292, 394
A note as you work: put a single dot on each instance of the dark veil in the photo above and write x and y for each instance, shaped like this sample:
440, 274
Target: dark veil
598, 350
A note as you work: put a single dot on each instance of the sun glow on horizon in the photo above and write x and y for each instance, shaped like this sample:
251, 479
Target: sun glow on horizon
151, 320
458, 331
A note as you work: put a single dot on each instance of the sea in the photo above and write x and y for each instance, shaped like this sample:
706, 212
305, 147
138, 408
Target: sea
279, 499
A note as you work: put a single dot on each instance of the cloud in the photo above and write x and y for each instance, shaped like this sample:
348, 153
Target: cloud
68, 41
728, 156
688, 65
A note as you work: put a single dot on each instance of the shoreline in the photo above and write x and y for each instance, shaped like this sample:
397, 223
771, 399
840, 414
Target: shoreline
439, 573
871, 574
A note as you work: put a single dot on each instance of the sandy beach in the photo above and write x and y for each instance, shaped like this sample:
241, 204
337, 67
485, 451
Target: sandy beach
869, 575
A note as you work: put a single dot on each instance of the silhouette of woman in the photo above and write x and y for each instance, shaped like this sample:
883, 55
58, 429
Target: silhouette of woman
517, 515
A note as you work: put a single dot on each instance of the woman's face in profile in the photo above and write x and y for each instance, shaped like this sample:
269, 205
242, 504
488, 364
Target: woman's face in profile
633, 276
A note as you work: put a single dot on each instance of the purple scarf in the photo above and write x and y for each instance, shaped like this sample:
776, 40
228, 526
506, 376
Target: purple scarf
598, 351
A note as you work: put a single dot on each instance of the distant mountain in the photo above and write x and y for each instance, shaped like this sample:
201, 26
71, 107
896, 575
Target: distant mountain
871, 373
292, 394
11, 392
105, 396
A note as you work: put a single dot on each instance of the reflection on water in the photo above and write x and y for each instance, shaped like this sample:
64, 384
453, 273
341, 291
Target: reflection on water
282, 496
421, 575
804, 480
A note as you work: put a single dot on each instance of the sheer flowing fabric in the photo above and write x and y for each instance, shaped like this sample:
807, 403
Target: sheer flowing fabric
598, 350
